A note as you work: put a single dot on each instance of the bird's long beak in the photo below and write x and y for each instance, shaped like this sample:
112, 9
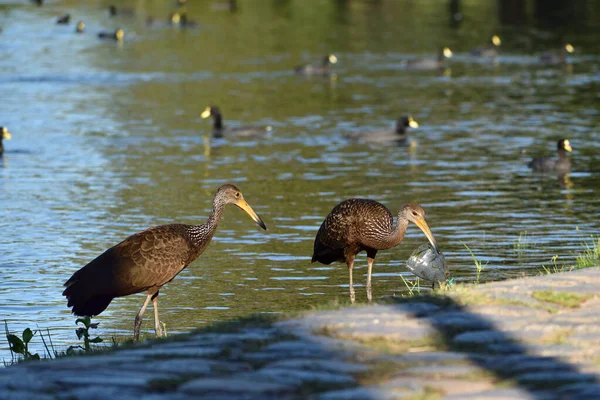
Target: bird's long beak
206, 113
241, 203
412, 123
425, 228
6, 135
567, 146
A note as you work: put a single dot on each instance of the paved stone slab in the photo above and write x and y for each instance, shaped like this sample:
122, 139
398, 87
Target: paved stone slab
237, 386
173, 352
366, 393
444, 371
503, 394
24, 395
298, 377
480, 337
100, 392
188, 366
319, 365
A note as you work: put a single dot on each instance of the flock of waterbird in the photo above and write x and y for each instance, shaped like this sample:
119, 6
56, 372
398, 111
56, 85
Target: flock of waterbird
147, 260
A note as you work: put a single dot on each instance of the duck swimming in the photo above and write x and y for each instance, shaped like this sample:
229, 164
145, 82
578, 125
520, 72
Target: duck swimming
221, 131
323, 69
562, 165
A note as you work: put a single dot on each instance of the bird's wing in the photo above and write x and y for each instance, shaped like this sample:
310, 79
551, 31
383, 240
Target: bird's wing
152, 257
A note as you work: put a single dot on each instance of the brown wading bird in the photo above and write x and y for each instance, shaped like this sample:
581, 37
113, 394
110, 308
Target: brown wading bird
146, 261
355, 225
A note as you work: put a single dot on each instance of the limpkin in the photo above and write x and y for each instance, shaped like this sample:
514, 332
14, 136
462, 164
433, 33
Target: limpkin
557, 57
398, 134
117, 35
562, 165
488, 51
355, 225
4, 134
323, 69
219, 130
431, 63
146, 261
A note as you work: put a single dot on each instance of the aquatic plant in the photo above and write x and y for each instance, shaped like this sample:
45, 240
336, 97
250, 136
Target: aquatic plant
20, 345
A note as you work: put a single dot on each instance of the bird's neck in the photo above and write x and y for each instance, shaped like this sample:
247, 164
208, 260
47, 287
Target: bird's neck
201, 235
562, 154
218, 124
395, 236
400, 128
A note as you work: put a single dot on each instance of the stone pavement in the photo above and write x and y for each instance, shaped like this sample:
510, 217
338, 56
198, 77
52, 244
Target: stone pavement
531, 338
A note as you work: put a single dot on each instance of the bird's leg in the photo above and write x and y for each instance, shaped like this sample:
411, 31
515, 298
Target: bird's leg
158, 326
350, 262
369, 270
138, 319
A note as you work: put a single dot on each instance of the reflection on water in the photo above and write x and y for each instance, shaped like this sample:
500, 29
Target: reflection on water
108, 140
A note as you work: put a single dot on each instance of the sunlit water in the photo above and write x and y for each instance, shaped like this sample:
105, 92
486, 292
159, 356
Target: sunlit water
108, 140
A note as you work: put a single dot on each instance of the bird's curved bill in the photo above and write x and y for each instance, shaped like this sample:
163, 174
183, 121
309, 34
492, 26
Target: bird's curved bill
206, 113
6, 135
567, 146
425, 228
412, 123
246, 207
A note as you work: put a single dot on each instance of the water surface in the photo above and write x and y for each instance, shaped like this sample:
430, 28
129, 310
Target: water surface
108, 140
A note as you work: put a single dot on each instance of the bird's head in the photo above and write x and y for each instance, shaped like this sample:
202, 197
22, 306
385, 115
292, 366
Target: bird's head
119, 34
210, 111
80, 27
416, 214
496, 40
569, 48
4, 133
564, 144
230, 194
447, 53
331, 59
409, 122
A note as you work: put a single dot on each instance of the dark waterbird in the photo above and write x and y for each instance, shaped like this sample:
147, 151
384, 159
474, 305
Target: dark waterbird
355, 225
4, 134
323, 69
65, 19
489, 51
113, 11
557, 57
146, 261
430, 63
117, 35
398, 134
562, 165
219, 130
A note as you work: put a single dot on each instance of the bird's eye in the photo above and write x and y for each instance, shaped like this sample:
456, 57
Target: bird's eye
237, 195
414, 213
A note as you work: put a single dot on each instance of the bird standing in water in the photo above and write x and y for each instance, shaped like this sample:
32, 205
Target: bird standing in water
355, 225
562, 165
557, 57
147, 260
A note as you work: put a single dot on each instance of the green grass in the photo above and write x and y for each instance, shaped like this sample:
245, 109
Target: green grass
523, 243
590, 256
563, 299
478, 263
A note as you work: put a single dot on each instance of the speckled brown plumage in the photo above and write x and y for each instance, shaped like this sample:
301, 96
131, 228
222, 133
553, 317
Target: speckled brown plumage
147, 260
357, 225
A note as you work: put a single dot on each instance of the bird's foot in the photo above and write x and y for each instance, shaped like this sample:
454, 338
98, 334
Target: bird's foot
161, 329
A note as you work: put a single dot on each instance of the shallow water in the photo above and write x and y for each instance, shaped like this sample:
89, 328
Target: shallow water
108, 140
